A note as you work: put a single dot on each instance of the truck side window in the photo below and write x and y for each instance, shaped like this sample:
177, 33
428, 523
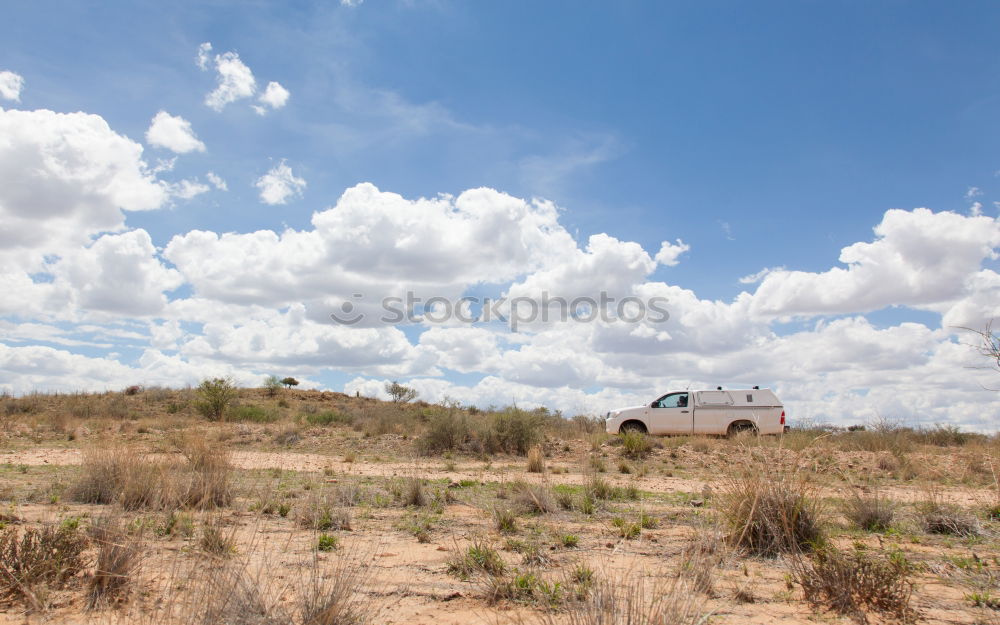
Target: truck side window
674, 400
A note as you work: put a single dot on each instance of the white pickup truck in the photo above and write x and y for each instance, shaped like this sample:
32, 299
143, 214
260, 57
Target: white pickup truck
717, 412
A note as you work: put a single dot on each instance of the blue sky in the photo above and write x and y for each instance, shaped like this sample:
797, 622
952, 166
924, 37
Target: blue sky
763, 135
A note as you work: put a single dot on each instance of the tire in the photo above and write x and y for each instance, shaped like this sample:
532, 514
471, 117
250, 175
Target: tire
741, 427
633, 426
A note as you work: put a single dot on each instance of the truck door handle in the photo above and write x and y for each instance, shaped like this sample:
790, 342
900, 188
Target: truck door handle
685, 411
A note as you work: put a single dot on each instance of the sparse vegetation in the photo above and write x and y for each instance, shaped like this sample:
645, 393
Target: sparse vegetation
202, 499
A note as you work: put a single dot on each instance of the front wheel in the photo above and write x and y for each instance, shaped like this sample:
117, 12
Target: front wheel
632, 426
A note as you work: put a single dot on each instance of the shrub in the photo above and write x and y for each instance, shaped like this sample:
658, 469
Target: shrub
479, 557
768, 513
326, 542
505, 520
49, 556
513, 431
215, 542
856, 583
536, 460
118, 557
636, 445
215, 397
400, 394
872, 513
446, 431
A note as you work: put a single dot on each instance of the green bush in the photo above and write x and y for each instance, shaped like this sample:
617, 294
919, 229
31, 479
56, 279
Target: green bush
513, 431
214, 398
254, 414
446, 431
635, 445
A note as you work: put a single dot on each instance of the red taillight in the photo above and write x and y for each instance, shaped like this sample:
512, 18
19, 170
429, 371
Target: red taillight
782, 417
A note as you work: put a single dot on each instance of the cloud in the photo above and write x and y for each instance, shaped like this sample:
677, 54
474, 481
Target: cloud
66, 177
10, 86
919, 258
204, 56
274, 97
279, 184
118, 273
173, 133
379, 244
187, 189
669, 252
217, 181
234, 78
351, 3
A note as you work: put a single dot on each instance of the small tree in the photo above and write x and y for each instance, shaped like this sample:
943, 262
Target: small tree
988, 344
400, 394
272, 385
290, 382
215, 397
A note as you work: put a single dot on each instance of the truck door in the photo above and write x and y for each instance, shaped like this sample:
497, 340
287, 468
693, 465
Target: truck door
670, 414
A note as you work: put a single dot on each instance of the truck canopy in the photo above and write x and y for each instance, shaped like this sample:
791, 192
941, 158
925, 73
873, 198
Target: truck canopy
762, 397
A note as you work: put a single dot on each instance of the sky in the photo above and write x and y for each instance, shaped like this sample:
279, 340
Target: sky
808, 190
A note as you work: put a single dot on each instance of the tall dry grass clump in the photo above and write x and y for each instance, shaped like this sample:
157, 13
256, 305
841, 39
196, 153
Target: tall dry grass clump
122, 475
536, 460
871, 512
119, 555
768, 511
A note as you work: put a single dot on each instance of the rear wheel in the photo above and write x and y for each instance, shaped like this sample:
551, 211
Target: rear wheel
741, 427
633, 426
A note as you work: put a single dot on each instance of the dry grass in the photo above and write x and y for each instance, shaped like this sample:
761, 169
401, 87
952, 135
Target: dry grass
768, 513
870, 511
536, 460
632, 601
122, 475
535, 499
119, 556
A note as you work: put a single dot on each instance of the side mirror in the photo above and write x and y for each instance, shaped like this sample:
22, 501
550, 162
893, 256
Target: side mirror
655, 404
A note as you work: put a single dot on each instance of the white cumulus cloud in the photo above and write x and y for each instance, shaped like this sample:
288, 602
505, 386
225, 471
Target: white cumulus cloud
174, 133
234, 79
274, 97
67, 176
11, 85
670, 252
279, 184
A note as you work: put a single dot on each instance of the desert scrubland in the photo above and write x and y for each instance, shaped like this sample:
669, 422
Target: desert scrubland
288, 506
